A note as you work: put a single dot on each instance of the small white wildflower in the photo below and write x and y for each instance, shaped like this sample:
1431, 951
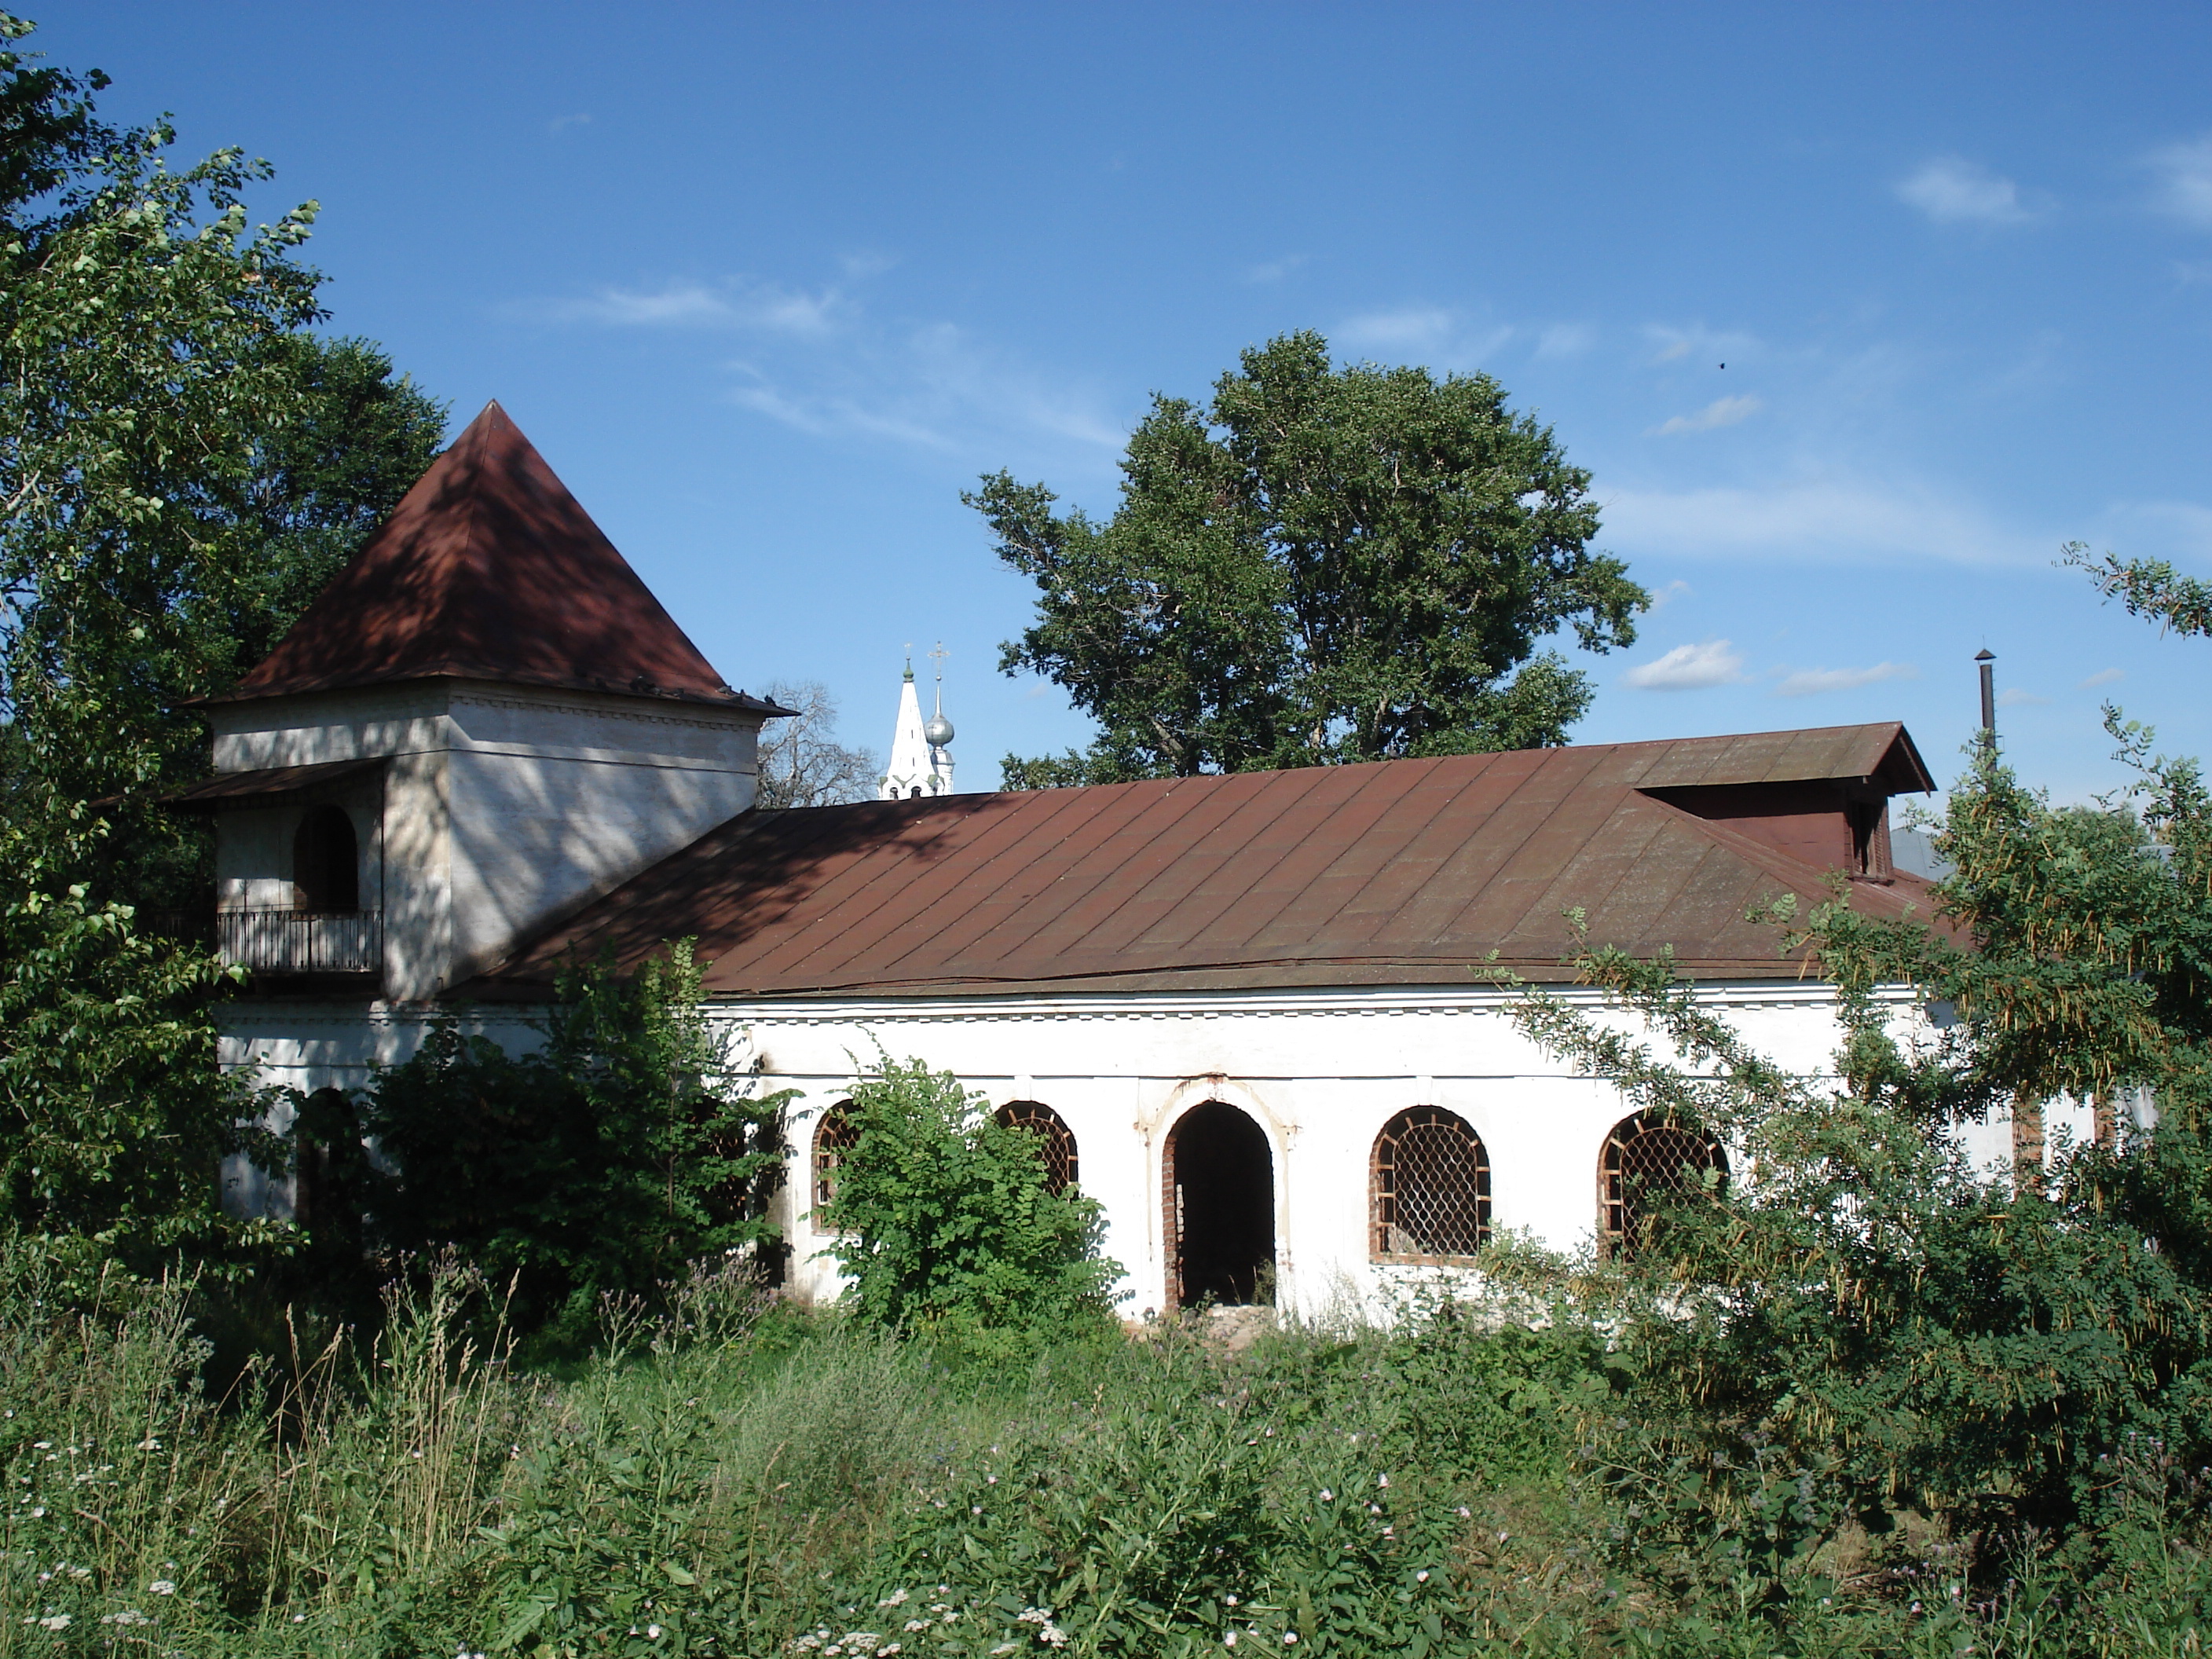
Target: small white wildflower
1229, 1640
39, 1514
299, 1618
1002, 1649
1052, 1635
913, 1625
1464, 1511
1422, 1576
1382, 1479
895, 1599
55, 1621
151, 1443
974, 1509
1034, 1616
1326, 1496
128, 1616
163, 1587
42, 1445
990, 1479
1231, 1600
1290, 1638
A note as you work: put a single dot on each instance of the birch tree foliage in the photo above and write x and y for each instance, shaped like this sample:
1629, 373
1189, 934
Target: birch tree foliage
1321, 565
1880, 1320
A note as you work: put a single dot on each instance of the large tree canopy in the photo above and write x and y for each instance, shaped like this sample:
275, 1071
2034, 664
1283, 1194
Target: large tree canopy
181, 466
1323, 565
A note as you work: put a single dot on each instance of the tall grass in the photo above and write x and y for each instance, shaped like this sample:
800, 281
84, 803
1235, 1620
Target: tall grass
733, 1477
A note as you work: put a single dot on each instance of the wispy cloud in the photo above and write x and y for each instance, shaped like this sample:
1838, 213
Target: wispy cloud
1689, 668
1722, 411
936, 386
2102, 677
562, 122
1565, 340
1811, 682
1953, 191
2184, 181
1697, 343
1440, 336
2014, 696
1273, 271
684, 304
1842, 520
1663, 596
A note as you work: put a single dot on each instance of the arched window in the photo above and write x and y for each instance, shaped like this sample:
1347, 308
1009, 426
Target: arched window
1429, 1181
1644, 1162
326, 862
1049, 1127
832, 1137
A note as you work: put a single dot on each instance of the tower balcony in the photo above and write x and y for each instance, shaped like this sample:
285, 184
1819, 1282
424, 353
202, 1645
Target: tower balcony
301, 942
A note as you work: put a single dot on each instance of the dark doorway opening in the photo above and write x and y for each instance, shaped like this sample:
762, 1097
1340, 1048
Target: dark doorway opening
326, 862
1220, 1182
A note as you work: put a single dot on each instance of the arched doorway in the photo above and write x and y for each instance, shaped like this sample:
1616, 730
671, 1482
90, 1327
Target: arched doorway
1218, 1177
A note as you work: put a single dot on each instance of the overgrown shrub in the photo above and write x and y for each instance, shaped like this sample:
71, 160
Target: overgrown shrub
596, 1165
945, 1225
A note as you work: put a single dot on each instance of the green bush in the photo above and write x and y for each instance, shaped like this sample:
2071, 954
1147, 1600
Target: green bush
945, 1225
598, 1165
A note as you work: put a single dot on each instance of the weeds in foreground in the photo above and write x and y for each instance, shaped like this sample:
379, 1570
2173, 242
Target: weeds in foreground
735, 1477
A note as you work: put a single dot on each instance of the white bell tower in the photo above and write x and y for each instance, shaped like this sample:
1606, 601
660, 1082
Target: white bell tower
921, 758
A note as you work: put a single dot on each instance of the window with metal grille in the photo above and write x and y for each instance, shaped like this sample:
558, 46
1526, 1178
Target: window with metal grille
1646, 1163
1049, 1128
1430, 1182
833, 1136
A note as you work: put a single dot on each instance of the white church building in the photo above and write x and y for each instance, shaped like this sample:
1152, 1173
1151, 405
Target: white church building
1250, 1014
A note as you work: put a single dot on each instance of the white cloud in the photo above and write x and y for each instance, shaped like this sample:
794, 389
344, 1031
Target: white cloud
2014, 696
2102, 677
1953, 191
1839, 520
1408, 328
1565, 340
1274, 270
1442, 337
1670, 345
1689, 668
1722, 411
562, 123
1811, 682
1663, 596
2185, 184
681, 304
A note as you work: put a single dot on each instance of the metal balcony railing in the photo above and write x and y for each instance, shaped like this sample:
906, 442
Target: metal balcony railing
302, 941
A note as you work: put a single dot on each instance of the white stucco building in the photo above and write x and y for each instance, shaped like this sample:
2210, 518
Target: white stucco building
1253, 1015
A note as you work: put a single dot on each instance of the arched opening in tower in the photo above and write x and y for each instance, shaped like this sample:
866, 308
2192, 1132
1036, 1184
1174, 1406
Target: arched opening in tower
1221, 1194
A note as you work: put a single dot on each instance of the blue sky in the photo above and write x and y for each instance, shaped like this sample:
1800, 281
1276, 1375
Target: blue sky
770, 285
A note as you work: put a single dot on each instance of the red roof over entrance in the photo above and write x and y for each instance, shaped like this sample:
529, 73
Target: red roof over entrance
489, 569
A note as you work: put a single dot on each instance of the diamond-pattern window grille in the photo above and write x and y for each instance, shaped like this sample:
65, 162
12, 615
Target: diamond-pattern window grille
1430, 1186
833, 1136
1646, 1161
1040, 1121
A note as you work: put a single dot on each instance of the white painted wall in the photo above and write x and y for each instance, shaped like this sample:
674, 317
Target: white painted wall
502, 807
1319, 1071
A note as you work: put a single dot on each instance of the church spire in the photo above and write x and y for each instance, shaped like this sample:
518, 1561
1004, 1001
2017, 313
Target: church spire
921, 757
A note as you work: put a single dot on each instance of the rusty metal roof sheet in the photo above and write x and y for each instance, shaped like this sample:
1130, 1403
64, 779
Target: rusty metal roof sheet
1408, 871
489, 569
228, 790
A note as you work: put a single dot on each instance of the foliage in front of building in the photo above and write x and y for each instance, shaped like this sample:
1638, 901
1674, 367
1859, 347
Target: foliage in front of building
599, 1165
1872, 1334
944, 1223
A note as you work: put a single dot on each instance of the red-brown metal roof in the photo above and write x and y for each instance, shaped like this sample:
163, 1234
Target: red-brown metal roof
1408, 871
489, 569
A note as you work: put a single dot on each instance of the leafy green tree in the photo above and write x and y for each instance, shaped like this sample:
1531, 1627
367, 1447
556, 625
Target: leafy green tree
944, 1222
1889, 1329
1323, 565
629, 1145
177, 468
2147, 587
114, 1116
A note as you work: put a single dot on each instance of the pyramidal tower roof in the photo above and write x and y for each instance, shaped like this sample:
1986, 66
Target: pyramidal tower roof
489, 569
